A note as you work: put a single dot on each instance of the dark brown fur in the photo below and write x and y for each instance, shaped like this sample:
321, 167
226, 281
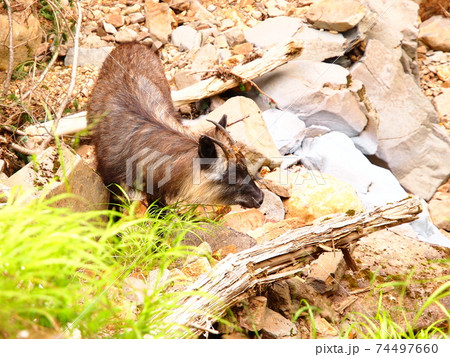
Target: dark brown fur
133, 112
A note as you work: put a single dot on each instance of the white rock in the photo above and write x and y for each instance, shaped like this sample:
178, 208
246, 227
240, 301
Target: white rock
185, 38
88, 56
126, 35
305, 89
285, 128
320, 45
136, 17
272, 31
334, 154
109, 28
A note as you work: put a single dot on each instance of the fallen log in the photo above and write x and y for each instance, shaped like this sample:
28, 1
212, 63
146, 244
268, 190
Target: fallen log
275, 57
237, 274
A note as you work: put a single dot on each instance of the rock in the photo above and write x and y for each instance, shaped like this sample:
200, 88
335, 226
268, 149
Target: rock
442, 103
185, 38
285, 128
45, 178
131, 9
299, 291
197, 268
279, 298
320, 45
253, 314
335, 154
242, 49
273, 230
435, 32
116, 20
439, 207
316, 195
316, 93
223, 252
326, 272
94, 41
278, 182
136, 17
272, 207
109, 28
336, 15
409, 140
244, 221
135, 290
125, 35
443, 72
276, 326
88, 56
234, 36
205, 58
272, 31
396, 28
27, 36
158, 20
185, 79
259, 147
324, 329
218, 237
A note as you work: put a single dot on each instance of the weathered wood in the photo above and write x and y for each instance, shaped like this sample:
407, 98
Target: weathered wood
275, 57
232, 277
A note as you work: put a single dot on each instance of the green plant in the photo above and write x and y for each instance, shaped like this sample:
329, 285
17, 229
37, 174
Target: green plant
63, 271
383, 326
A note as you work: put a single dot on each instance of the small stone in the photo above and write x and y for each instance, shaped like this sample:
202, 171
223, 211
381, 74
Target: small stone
324, 329
94, 41
224, 252
443, 72
279, 183
327, 271
221, 41
136, 17
226, 24
185, 79
273, 230
223, 54
126, 35
245, 220
252, 317
158, 20
109, 28
242, 49
185, 38
338, 15
442, 103
115, 19
205, 58
211, 7
277, 326
197, 268
272, 207
435, 32
131, 9
234, 36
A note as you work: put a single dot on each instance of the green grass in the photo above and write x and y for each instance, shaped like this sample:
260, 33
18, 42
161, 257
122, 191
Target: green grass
384, 326
64, 271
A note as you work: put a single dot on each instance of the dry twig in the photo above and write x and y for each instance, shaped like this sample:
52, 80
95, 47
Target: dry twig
10, 49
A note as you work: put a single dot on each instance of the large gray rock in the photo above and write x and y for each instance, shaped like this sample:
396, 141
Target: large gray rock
320, 45
88, 56
272, 31
337, 15
410, 141
317, 93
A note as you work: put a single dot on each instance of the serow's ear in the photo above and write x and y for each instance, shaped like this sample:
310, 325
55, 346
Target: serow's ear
223, 121
206, 148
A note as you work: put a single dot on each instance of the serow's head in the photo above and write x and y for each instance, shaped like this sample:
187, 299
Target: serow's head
225, 169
